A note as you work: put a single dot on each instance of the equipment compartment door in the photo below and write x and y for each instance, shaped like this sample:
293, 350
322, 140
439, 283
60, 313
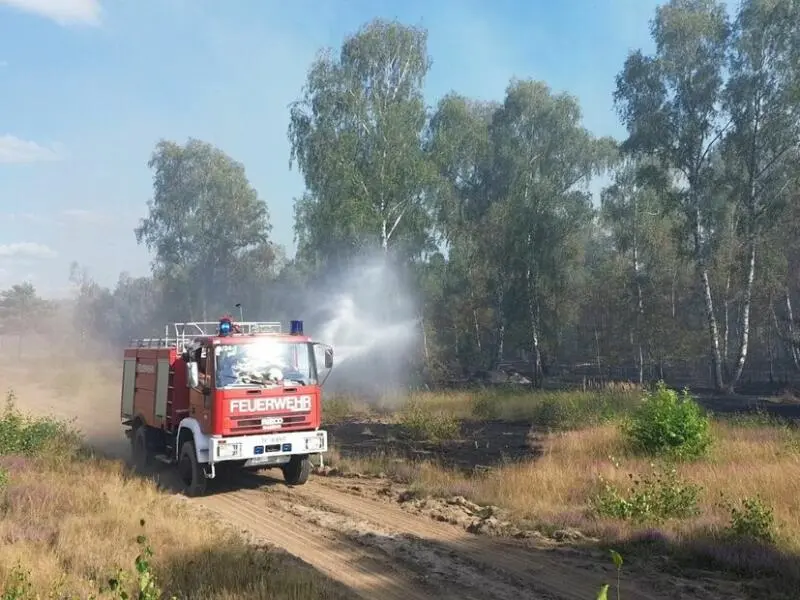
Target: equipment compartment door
162, 387
128, 386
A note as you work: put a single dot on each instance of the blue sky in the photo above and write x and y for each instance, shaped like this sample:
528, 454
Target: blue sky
87, 87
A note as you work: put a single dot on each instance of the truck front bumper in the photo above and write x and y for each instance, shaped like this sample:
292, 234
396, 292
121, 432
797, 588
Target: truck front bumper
266, 449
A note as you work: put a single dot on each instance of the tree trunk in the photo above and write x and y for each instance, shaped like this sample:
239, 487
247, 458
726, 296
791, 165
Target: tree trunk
637, 276
744, 325
711, 318
500, 323
533, 314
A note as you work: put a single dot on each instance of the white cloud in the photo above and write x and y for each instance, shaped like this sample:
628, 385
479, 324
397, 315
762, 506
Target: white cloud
29, 250
63, 12
16, 150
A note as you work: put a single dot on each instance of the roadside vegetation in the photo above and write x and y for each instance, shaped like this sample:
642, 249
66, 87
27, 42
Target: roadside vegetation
77, 525
647, 471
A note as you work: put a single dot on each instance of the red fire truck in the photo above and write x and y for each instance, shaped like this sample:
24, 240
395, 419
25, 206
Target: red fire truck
217, 395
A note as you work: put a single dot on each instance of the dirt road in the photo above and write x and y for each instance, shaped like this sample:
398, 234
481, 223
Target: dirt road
382, 551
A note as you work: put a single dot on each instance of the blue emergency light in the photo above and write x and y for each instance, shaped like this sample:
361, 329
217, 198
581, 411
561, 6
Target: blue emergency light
296, 327
225, 327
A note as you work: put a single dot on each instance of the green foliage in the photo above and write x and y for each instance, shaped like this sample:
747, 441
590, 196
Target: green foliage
553, 410
581, 409
421, 423
142, 580
17, 585
670, 425
752, 518
29, 436
652, 498
205, 225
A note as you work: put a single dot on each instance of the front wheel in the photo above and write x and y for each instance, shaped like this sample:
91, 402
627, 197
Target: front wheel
191, 471
297, 470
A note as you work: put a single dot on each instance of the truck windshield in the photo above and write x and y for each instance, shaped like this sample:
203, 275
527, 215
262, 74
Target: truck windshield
264, 363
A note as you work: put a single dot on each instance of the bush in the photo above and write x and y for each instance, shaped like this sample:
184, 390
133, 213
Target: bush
421, 423
668, 424
752, 519
653, 498
29, 436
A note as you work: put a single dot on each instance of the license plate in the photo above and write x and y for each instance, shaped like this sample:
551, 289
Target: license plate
271, 421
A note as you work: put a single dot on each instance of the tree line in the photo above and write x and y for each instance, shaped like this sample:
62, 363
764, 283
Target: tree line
690, 257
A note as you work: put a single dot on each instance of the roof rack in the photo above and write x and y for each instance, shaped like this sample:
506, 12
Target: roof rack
179, 334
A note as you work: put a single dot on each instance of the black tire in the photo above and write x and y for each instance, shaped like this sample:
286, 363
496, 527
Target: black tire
297, 470
191, 472
140, 452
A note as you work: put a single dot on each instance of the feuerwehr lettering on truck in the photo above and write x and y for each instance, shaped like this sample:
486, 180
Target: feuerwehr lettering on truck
273, 404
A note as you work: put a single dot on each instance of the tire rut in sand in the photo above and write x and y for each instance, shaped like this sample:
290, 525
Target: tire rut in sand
561, 578
365, 572
434, 563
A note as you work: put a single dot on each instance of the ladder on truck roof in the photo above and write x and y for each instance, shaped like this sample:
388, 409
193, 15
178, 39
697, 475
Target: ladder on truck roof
179, 334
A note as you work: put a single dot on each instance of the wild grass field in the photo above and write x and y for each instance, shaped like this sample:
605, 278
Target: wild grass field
77, 525
647, 471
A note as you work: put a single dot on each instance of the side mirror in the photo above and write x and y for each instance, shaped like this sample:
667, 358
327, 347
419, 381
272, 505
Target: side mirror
328, 358
192, 375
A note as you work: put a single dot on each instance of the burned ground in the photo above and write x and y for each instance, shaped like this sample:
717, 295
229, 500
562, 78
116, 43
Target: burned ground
480, 444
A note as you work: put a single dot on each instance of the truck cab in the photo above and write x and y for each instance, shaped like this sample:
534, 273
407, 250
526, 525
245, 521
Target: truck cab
243, 395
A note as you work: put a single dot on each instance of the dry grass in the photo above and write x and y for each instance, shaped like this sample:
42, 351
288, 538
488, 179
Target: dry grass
750, 458
71, 521
556, 410
555, 489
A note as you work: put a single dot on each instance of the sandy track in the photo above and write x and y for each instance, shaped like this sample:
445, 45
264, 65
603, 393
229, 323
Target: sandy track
375, 560
352, 566
380, 550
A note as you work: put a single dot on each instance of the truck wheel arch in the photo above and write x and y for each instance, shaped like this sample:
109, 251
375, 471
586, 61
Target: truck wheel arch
189, 429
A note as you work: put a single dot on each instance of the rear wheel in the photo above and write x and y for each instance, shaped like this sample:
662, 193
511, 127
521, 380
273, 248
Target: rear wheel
142, 457
297, 470
192, 473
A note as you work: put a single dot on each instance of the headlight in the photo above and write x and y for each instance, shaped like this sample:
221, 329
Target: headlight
313, 443
229, 450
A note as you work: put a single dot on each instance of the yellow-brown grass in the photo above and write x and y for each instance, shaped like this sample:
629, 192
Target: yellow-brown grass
555, 488
71, 525
70, 522
554, 491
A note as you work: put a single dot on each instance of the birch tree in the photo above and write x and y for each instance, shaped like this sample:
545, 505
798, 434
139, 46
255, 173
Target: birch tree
761, 150
543, 160
670, 104
356, 135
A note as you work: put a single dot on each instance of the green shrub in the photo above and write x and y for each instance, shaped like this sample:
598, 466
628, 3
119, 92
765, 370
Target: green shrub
670, 425
753, 519
29, 436
653, 498
421, 423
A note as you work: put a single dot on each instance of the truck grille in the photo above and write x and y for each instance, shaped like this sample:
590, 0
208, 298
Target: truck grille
289, 421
